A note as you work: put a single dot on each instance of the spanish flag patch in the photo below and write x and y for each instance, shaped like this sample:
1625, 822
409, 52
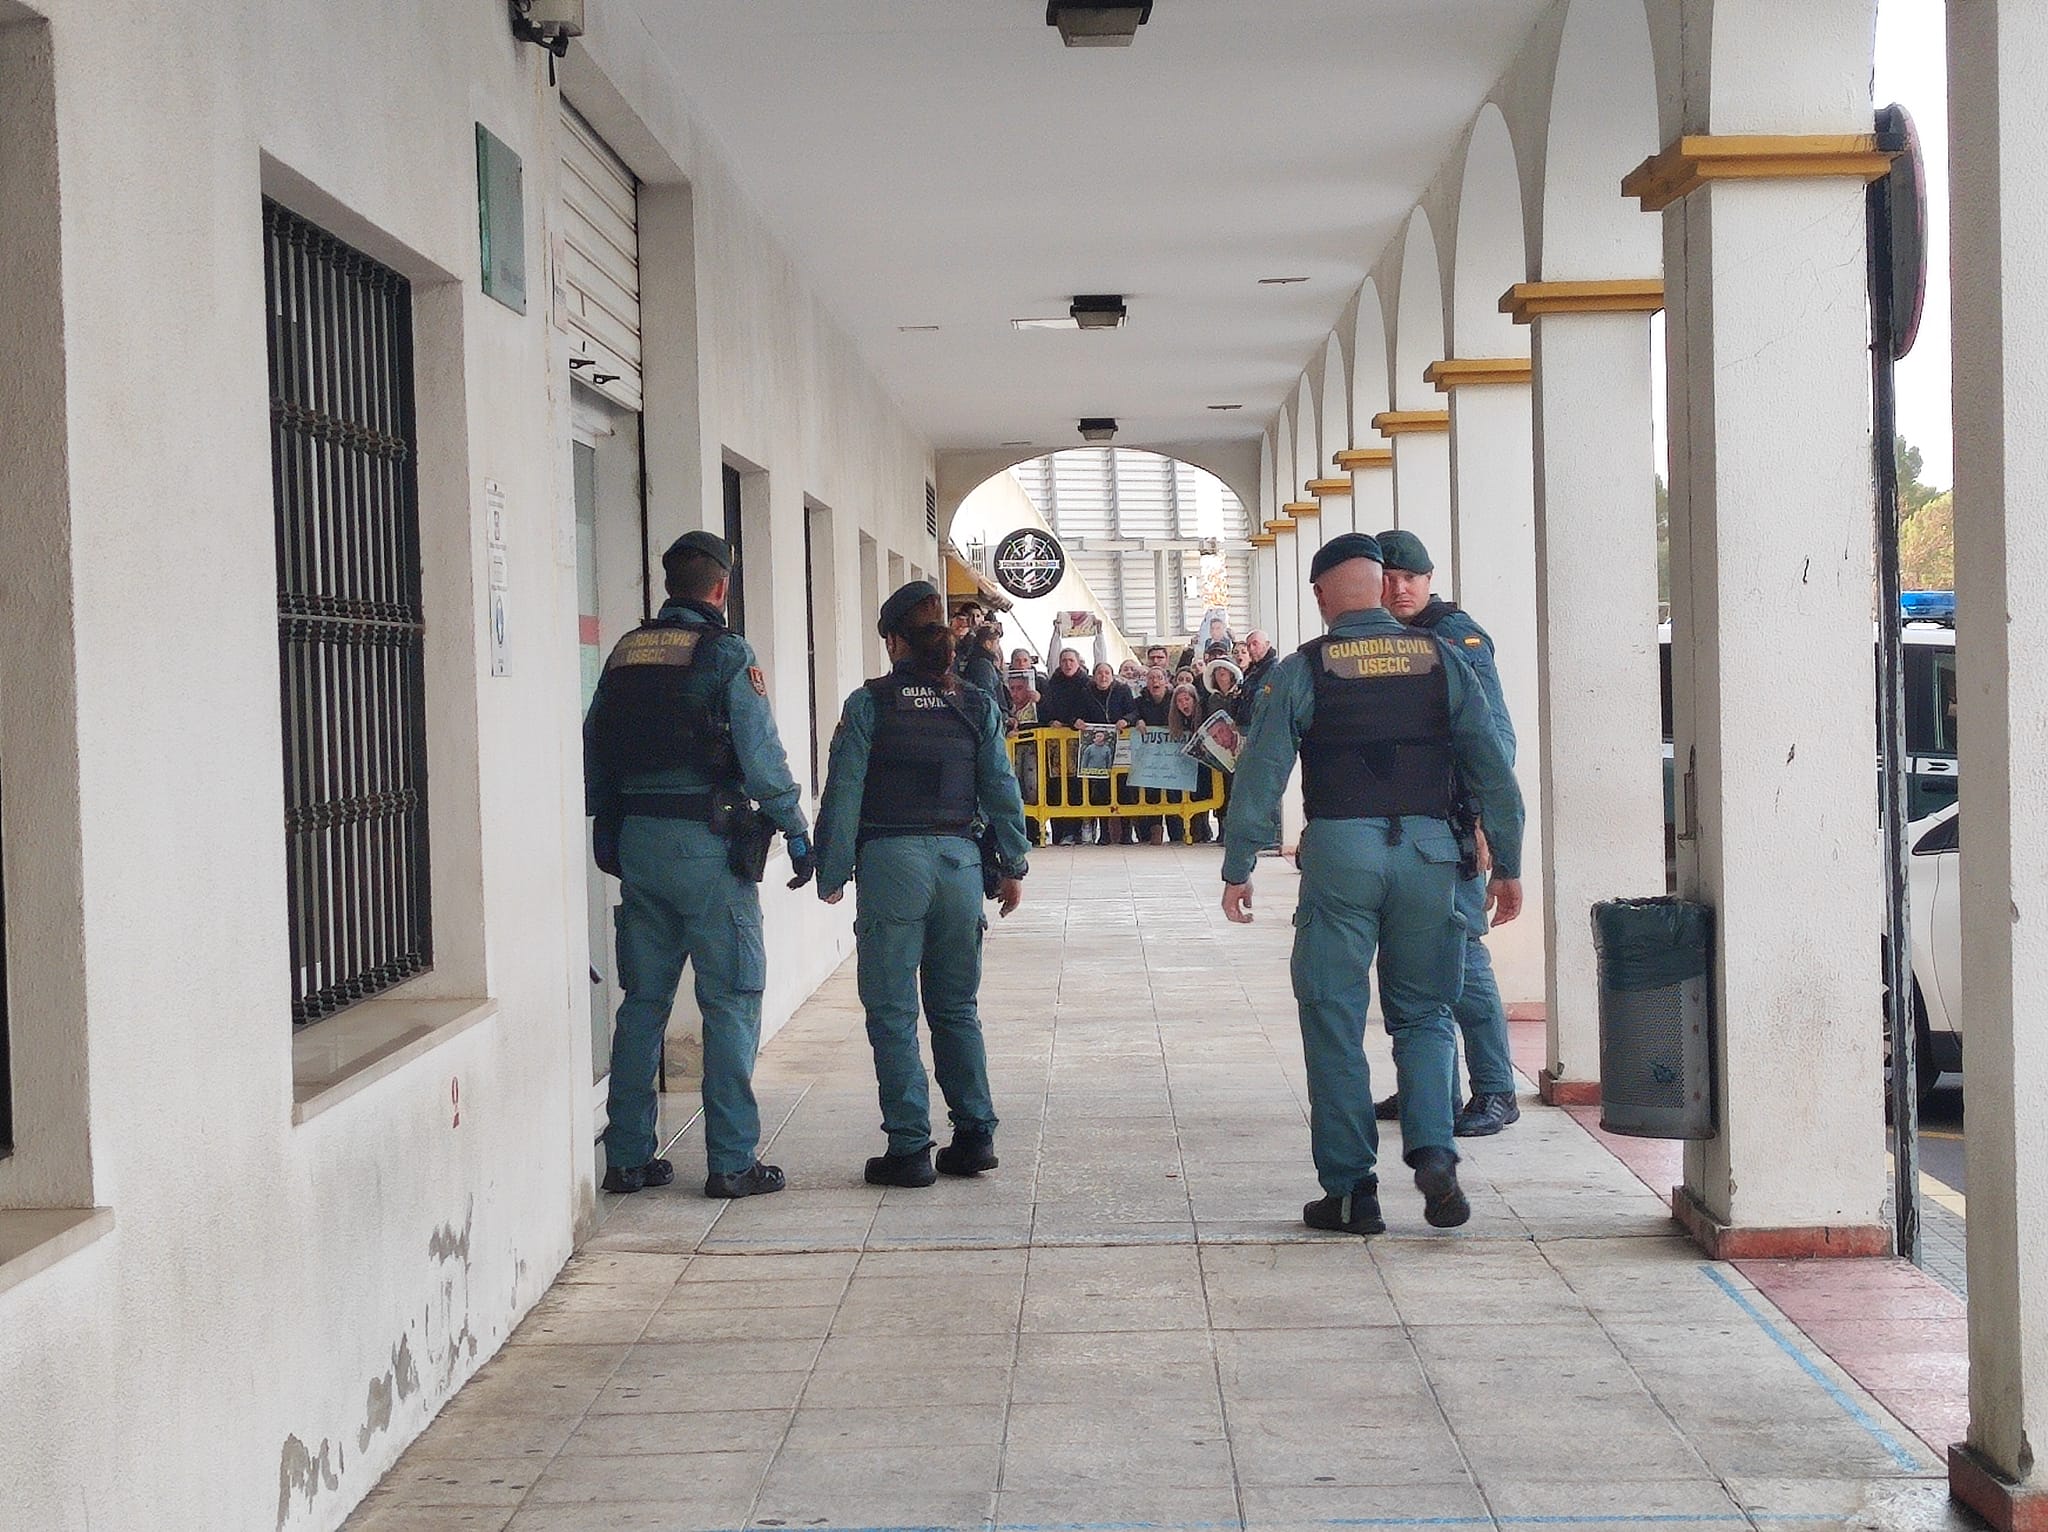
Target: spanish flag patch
1474, 642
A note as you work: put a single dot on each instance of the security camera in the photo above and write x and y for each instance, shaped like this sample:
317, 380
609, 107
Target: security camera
548, 23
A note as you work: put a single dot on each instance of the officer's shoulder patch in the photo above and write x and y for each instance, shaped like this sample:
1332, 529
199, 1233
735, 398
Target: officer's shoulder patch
756, 680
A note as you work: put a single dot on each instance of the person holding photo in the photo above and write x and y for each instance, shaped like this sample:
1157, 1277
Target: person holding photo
1182, 721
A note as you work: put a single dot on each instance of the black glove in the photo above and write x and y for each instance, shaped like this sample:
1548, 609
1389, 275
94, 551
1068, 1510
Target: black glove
803, 860
604, 842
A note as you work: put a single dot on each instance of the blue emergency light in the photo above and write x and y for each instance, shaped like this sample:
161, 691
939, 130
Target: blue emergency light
1927, 605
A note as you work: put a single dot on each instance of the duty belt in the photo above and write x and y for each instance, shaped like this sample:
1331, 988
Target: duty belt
695, 806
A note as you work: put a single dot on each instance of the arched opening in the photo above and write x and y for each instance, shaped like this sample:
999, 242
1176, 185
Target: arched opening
1152, 544
1422, 458
1491, 253
1335, 434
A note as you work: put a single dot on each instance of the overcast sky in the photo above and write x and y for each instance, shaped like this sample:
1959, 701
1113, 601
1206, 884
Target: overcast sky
1912, 70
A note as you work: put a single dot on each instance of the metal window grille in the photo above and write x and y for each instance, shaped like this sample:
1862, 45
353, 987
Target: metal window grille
350, 631
931, 509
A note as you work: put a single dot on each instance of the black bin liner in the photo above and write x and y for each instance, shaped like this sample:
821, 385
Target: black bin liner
1655, 958
1652, 943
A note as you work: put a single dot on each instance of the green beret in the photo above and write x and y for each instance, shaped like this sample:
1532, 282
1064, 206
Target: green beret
897, 609
1404, 550
709, 544
1342, 550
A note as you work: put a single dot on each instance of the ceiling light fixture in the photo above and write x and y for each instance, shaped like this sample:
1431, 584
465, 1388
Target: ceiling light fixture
1226, 406
1051, 322
1098, 311
1098, 428
1098, 23
916, 329
1280, 281
1013, 444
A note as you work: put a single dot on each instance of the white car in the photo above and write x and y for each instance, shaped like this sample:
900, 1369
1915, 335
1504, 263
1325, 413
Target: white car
1935, 891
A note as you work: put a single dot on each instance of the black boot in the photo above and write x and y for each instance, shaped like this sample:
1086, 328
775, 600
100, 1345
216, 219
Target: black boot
755, 1181
1486, 1114
653, 1173
972, 1151
1436, 1177
913, 1169
1388, 1110
1359, 1213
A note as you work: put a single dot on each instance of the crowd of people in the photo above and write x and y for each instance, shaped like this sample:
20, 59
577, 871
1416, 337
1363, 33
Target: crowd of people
1174, 692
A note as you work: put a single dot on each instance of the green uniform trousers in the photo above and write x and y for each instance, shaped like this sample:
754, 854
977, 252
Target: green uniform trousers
1361, 895
921, 926
682, 902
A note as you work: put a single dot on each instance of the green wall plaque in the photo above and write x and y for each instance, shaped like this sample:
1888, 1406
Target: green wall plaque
501, 219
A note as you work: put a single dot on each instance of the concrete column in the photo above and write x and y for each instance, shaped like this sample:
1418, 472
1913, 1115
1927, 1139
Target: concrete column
1997, 53
1285, 628
1334, 495
1308, 539
1772, 580
1422, 479
1598, 715
1490, 559
1372, 487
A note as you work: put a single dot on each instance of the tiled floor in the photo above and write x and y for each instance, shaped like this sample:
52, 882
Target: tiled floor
1126, 1326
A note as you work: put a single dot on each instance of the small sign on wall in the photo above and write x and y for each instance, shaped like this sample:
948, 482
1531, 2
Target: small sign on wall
500, 573
501, 219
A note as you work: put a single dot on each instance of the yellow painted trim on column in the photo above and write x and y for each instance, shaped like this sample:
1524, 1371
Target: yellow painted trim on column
1300, 508
1262, 539
1477, 372
1694, 160
1534, 300
1356, 458
1275, 528
1328, 489
1411, 422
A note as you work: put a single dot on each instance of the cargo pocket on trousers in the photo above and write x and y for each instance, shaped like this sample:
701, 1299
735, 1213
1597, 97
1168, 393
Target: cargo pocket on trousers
1302, 965
749, 956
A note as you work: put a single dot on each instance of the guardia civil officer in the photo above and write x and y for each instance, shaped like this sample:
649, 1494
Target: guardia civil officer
1481, 1017
1384, 718
678, 746
918, 762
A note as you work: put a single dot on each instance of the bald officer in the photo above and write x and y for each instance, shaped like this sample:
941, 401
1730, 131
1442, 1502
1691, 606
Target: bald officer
678, 744
1385, 719
1481, 1017
919, 763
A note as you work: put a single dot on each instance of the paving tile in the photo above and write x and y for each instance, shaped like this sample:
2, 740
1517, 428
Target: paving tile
671, 1433
1128, 1324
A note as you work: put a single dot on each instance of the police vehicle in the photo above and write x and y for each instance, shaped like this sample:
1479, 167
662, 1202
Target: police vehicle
1928, 629
1934, 889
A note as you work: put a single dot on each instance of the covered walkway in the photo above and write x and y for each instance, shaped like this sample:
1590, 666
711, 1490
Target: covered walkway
1126, 1326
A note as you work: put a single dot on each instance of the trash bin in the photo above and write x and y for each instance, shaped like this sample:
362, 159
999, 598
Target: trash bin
1656, 1017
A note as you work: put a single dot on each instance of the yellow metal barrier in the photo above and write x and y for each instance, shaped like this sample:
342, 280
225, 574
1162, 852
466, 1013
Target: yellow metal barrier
1045, 758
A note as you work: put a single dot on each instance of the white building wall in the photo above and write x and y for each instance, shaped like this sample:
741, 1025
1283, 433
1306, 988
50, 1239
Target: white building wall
278, 1305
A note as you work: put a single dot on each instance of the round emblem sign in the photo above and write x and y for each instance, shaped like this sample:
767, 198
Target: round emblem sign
1029, 563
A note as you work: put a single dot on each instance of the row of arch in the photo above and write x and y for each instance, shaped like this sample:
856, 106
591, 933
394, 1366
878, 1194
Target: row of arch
1532, 192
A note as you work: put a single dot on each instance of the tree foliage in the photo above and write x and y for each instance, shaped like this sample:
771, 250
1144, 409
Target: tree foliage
1927, 545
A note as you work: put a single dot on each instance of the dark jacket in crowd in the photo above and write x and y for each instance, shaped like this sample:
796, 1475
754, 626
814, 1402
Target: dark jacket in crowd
977, 669
1152, 712
1256, 675
1115, 705
1060, 697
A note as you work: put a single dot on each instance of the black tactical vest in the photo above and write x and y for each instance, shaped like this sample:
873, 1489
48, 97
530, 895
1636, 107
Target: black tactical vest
1380, 745
921, 762
656, 709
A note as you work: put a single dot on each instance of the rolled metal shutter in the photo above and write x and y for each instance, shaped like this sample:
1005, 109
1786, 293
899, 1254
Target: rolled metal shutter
598, 263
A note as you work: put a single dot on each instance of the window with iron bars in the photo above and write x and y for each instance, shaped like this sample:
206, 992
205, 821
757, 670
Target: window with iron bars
351, 636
